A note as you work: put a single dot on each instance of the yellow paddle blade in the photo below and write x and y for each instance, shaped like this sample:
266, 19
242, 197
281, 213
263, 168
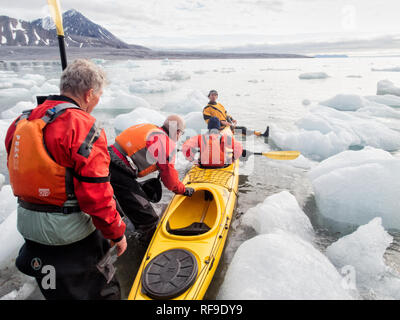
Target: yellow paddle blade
282, 155
55, 12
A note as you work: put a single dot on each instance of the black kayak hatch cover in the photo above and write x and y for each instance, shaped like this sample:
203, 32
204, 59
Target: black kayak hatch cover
169, 274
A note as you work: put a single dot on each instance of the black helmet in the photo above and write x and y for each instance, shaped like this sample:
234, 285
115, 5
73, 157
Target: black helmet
212, 91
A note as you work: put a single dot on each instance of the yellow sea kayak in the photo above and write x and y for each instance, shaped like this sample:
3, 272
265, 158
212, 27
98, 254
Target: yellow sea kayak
187, 245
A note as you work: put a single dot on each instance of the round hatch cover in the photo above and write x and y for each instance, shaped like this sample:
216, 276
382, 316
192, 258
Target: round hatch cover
169, 274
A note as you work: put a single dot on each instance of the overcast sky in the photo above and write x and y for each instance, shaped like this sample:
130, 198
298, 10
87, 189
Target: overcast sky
232, 23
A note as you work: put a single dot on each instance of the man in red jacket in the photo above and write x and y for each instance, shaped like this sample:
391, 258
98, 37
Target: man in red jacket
217, 150
137, 152
59, 169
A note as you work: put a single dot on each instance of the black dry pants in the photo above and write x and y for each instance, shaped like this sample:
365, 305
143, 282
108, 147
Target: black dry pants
133, 201
76, 274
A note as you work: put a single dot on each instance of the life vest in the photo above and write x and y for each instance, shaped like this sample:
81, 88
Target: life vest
215, 110
34, 176
216, 150
132, 144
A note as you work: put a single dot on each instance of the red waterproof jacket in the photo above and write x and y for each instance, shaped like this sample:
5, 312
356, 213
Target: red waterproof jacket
74, 142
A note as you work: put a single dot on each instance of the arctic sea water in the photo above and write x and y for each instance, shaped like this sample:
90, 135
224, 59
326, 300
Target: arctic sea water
322, 107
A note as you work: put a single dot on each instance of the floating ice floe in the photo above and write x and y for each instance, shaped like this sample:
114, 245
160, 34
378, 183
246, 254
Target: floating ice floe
185, 102
116, 98
15, 111
280, 265
138, 116
354, 187
38, 78
387, 87
175, 75
386, 99
392, 69
12, 95
279, 211
356, 76
23, 292
253, 81
362, 253
346, 102
313, 75
306, 102
195, 123
4, 125
151, 86
45, 90
325, 131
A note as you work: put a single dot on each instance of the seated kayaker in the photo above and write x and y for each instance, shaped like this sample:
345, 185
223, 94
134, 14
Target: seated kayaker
215, 109
216, 149
137, 152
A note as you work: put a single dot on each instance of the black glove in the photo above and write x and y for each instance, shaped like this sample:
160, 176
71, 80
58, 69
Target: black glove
188, 192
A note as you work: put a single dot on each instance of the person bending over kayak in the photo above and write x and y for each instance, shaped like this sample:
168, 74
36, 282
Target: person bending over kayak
137, 152
59, 170
216, 150
215, 109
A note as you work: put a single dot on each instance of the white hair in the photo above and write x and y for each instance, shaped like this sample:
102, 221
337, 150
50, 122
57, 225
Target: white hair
174, 122
80, 76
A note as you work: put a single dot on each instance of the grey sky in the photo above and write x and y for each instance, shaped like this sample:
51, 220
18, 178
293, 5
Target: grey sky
231, 23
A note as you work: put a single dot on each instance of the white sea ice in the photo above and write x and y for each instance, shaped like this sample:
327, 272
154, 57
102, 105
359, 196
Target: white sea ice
387, 99
15, 111
354, 187
9, 235
151, 86
279, 211
346, 102
4, 125
45, 89
175, 75
12, 95
280, 265
22, 293
195, 123
364, 250
325, 131
116, 98
38, 78
306, 102
313, 75
186, 101
391, 69
8, 203
387, 87
137, 116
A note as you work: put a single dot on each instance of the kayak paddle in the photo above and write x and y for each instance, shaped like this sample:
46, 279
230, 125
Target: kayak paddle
55, 11
276, 155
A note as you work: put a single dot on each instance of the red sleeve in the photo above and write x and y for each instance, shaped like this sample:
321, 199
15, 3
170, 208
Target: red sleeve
92, 187
163, 149
189, 148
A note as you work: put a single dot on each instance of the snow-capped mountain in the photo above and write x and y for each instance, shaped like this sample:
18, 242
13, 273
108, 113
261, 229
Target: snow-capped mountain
79, 32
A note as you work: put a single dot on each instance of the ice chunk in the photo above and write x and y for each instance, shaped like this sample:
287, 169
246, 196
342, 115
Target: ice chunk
355, 186
345, 102
387, 99
45, 89
137, 116
8, 202
281, 266
195, 124
313, 75
37, 78
306, 102
13, 95
356, 76
364, 251
151, 86
15, 111
9, 235
348, 159
325, 131
279, 211
194, 100
175, 75
4, 125
22, 293
387, 87
116, 98
392, 69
